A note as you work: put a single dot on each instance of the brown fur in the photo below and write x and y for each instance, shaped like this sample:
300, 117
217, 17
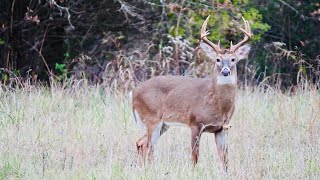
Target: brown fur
199, 103
185, 100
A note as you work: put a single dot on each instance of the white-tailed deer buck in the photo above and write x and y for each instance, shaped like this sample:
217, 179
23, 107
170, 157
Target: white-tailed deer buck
203, 104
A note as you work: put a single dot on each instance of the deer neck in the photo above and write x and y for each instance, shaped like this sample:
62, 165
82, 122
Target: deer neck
223, 92
224, 87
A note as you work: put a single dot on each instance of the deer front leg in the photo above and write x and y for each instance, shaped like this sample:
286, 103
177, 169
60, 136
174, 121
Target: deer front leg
195, 141
222, 147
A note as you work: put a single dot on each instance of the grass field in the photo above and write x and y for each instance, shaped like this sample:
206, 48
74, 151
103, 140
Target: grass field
87, 133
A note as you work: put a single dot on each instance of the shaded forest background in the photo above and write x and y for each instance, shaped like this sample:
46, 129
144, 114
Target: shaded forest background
119, 43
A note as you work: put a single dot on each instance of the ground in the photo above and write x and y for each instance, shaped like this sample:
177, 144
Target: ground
89, 133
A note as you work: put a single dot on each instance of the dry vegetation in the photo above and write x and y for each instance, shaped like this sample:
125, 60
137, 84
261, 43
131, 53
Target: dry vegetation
87, 133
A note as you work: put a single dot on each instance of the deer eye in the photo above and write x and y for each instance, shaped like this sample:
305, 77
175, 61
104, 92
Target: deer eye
218, 60
232, 59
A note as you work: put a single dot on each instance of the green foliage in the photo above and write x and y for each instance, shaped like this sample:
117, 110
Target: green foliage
2, 42
260, 28
117, 171
311, 166
61, 71
223, 23
10, 168
4, 77
66, 55
60, 68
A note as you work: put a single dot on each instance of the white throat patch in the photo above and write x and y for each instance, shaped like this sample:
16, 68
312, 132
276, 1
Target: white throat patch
222, 80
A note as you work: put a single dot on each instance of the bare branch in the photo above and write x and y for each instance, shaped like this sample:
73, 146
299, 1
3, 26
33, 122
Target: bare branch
53, 2
303, 17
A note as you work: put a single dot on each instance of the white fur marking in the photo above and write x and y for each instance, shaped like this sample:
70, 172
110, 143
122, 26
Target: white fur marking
139, 120
136, 114
222, 80
130, 96
220, 140
156, 133
175, 124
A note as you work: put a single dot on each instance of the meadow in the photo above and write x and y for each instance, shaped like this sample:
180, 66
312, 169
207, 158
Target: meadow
90, 133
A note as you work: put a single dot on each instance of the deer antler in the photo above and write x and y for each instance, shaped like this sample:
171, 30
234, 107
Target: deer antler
204, 38
247, 32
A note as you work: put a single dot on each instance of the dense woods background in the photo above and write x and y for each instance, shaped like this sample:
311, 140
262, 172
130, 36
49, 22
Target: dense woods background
121, 42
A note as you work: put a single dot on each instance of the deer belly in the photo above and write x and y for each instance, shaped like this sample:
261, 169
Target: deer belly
173, 123
174, 119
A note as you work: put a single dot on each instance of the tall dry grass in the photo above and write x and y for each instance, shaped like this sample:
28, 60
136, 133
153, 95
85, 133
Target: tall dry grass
87, 133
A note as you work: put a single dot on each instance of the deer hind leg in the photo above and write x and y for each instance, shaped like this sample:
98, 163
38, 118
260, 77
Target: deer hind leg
195, 142
154, 134
222, 147
142, 147
145, 145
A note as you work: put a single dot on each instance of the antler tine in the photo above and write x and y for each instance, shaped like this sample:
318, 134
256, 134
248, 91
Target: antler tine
247, 37
204, 38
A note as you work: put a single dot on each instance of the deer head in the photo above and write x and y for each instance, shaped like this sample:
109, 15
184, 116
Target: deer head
225, 60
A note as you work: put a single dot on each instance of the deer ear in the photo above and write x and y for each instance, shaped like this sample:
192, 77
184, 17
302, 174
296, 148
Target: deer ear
243, 52
208, 50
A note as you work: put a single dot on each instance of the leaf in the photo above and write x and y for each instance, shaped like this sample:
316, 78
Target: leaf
2, 42
60, 67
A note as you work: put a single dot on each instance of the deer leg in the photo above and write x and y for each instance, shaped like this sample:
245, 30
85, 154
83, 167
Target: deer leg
222, 147
195, 141
154, 134
142, 147
145, 144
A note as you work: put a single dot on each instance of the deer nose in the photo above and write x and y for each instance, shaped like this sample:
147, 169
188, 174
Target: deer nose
225, 72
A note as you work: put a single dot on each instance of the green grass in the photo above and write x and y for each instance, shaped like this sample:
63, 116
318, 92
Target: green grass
88, 133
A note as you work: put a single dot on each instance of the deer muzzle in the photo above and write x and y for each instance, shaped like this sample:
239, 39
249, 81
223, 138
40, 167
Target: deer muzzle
225, 71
